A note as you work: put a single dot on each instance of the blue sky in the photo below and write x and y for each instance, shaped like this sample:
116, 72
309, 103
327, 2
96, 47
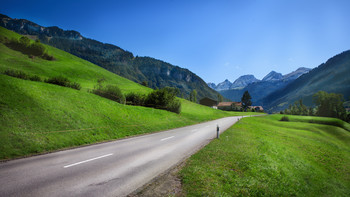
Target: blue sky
215, 39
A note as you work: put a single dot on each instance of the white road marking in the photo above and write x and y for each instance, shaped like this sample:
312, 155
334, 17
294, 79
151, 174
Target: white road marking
167, 138
207, 126
194, 130
74, 164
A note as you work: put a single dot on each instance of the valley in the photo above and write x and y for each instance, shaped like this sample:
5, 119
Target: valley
81, 115
37, 117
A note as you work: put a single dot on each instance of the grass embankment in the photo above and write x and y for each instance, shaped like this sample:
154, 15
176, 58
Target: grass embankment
262, 156
37, 117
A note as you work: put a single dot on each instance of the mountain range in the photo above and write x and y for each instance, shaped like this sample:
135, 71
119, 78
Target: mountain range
332, 76
259, 89
245, 80
155, 73
274, 92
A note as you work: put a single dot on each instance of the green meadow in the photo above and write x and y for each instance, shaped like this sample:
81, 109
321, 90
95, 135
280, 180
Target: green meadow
38, 117
263, 156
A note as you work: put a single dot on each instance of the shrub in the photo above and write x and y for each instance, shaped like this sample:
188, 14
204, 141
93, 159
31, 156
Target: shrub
25, 46
284, 118
174, 106
35, 78
164, 99
3, 39
21, 75
135, 99
111, 92
333, 122
75, 85
48, 57
16, 73
63, 81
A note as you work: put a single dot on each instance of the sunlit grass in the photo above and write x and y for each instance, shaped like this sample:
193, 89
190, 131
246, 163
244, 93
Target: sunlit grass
263, 156
37, 117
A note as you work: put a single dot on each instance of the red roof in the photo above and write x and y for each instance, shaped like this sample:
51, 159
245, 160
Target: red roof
226, 104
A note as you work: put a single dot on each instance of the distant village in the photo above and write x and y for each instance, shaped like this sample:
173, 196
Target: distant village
228, 106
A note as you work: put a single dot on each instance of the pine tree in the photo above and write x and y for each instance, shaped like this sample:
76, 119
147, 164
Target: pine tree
193, 96
220, 98
246, 100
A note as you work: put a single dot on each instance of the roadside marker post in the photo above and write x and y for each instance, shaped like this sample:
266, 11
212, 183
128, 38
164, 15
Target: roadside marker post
217, 131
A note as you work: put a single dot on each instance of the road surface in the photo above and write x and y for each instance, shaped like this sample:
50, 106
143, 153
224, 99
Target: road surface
110, 169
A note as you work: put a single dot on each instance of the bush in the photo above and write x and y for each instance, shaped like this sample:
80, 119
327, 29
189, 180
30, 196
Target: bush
135, 99
3, 39
164, 99
75, 85
174, 106
21, 75
35, 78
48, 57
111, 92
63, 81
25, 46
16, 73
284, 118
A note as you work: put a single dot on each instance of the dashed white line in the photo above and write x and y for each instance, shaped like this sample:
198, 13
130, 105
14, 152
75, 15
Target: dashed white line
74, 164
167, 138
194, 130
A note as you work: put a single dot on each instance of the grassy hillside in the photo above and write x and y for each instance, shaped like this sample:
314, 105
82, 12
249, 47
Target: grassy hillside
263, 156
66, 65
37, 117
156, 73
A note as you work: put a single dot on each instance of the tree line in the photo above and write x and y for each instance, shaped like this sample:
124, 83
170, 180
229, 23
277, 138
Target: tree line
164, 98
25, 46
326, 105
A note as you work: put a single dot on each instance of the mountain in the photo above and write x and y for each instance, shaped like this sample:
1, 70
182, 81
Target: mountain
260, 89
155, 73
273, 76
239, 83
295, 74
223, 85
332, 76
211, 85
243, 81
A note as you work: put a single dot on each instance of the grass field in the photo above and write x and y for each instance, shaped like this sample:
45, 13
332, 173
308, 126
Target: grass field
37, 117
262, 156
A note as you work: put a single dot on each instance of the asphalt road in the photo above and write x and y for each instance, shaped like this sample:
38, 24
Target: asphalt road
110, 169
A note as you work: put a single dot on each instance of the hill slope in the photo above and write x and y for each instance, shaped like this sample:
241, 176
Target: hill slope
37, 117
332, 76
155, 72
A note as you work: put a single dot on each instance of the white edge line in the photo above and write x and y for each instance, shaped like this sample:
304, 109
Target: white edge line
167, 138
74, 164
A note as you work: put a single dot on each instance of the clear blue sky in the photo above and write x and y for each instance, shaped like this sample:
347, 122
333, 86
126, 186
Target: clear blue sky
215, 39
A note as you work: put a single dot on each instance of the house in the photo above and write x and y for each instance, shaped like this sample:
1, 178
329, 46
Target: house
230, 106
256, 108
208, 102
